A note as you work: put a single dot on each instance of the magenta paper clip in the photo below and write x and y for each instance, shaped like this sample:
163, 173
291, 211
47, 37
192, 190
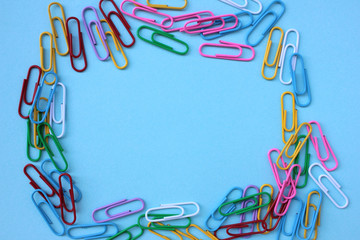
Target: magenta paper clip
91, 34
226, 56
200, 28
196, 15
118, 215
144, 8
327, 147
275, 169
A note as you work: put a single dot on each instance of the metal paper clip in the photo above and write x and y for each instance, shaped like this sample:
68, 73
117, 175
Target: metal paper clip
306, 162
173, 206
119, 15
156, 226
257, 22
277, 55
91, 34
24, 90
196, 15
62, 111
62, 199
52, 52
53, 29
268, 208
96, 235
284, 116
191, 28
153, 41
29, 143
164, 6
81, 45
243, 7
283, 54
177, 233
305, 81
118, 215
226, 56
47, 219
207, 233
333, 182
144, 8
126, 230
295, 224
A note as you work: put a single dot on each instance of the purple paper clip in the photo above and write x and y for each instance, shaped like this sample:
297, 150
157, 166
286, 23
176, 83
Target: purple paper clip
91, 34
244, 204
226, 56
118, 215
192, 29
142, 7
196, 15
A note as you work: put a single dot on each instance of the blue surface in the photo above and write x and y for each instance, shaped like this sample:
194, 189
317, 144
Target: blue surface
173, 128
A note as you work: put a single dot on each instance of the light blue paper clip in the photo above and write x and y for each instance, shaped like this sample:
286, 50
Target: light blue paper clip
101, 234
306, 85
294, 229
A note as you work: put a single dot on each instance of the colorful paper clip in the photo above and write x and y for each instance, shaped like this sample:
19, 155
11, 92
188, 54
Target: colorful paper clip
283, 54
29, 144
173, 206
274, 169
257, 22
153, 41
245, 204
114, 29
62, 111
306, 162
226, 56
194, 26
52, 52
44, 130
175, 232
332, 181
267, 53
206, 233
49, 221
157, 226
268, 208
144, 8
327, 148
126, 230
63, 207
164, 6
110, 206
284, 116
24, 90
305, 81
196, 15
92, 235
81, 45
91, 34
243, 7
53, 29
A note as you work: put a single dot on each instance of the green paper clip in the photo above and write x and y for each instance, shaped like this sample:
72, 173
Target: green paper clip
126, 230
29, 143
306, 163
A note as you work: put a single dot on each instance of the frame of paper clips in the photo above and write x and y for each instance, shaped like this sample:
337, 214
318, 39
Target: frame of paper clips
302, 161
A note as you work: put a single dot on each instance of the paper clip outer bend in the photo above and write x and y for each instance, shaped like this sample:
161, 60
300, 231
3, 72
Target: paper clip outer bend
29, 143
164, 6
114, 29
91, 34
173, 206
267, 53
306, 162
196, 15
332, 181
226, 56
176, 232
284, 116
81, 45
207, 233
153, 41
44, 215
142, 7
52, 52
243, 7
96, 235
297, 149
298, 93
268, 208
126, 230
198, 28
53, 29
62, 111
24, 90
257, 22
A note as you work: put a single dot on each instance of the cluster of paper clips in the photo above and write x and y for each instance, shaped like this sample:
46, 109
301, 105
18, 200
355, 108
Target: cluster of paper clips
55, 189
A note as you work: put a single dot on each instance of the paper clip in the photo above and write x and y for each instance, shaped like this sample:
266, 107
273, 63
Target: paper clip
274, 169
100, 234
244, 205
243, 7
38, 98
239, 226
62, 199
119, 215
91, 34
306, 162
153, 41
62, 110
305, 81
164, 6
47, 219
115, 31
81, 45
277, 56
297, 149
199, 28
196, 15
284, 116
126, 230
268, 208
226, 56
44, 130
327, 147
173, 206
207, 233
48, 149
24, 90
333, 182
257, 22
283, 54
176, 232
144, 8
52, 52
29, 143
169, 227
53, 29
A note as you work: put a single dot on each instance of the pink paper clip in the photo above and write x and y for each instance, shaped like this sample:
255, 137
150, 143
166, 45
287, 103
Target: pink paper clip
192, 29
226, 56
196, 15
142, 7
327, 147
275, 169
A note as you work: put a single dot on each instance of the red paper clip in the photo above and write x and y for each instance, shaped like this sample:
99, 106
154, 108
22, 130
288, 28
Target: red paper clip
81, 45
62, 199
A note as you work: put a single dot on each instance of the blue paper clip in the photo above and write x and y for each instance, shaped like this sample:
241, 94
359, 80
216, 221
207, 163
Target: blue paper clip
43, 214
226, 20
263, 15
221, 219
305, 81
101, 234
37, 99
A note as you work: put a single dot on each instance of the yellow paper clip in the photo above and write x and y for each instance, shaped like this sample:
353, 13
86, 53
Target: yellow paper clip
162, 236
53, 29
275, 63
298, 147
36, 133
260, 202
207, 233
283, 116
42, 52
308, 205
164, 6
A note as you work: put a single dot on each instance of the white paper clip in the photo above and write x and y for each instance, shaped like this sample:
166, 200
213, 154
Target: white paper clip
283, 54
172, 206
62, 111
243, 7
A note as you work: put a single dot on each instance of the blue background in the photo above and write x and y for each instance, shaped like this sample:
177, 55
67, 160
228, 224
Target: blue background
173, 128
